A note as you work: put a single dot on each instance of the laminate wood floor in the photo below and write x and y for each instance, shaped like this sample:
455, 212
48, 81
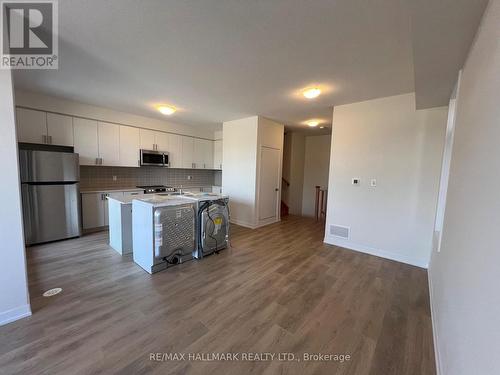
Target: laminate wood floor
279, 289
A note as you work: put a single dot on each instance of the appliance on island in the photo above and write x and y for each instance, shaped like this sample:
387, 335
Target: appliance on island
163, 231
155, 189
154, 158
50, 192
212, 222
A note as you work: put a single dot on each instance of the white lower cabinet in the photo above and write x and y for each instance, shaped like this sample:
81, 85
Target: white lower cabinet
95, 208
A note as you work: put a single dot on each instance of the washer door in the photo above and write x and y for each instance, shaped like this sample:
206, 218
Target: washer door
214, 226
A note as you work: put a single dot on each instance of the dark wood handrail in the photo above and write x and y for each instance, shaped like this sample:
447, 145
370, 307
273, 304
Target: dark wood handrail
320, 204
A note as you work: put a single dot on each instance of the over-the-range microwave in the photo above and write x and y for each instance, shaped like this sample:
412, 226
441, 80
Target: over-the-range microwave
154, 158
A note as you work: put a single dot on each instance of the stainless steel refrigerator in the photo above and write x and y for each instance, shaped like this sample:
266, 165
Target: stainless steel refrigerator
50, 191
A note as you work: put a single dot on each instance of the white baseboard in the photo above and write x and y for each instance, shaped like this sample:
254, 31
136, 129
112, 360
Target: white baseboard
253, 225
434, 327
14, 314
332, 240
243, 223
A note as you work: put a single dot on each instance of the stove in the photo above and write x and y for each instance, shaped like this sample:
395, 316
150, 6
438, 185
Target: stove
152, 189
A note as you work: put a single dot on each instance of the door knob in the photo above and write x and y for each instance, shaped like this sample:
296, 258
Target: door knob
276, 189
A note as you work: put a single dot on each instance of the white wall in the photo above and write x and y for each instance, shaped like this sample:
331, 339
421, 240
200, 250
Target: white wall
270, 134
243, 140
14, 299
465, 274
316, 167
68, 107
239, 154
389, 140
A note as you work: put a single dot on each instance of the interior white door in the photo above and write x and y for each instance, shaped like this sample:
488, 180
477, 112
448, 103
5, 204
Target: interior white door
60, 129
31, 126
109, 143
86, 144
269, 189
129, 146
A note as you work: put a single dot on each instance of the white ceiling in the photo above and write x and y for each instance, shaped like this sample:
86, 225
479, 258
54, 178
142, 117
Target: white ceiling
219, 60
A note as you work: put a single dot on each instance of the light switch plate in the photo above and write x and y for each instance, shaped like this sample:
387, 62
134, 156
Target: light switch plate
373, 182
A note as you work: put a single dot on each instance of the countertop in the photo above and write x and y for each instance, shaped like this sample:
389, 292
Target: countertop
134, 188
165, 199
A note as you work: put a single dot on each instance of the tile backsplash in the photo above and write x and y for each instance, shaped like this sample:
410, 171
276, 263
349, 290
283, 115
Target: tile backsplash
111, 177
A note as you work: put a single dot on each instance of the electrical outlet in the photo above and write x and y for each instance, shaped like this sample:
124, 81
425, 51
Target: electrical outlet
114, 178
190, 177
356, 181
373, 182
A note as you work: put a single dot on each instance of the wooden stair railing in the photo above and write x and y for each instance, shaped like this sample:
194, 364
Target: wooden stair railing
320, 204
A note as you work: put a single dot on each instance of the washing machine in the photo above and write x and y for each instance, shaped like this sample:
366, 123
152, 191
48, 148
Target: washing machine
212, 223
174, 233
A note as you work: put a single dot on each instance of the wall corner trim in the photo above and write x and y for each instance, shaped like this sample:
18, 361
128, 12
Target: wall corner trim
17, 313
435, 338
349, 245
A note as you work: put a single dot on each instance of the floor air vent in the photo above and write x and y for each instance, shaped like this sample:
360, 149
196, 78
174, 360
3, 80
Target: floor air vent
339, 231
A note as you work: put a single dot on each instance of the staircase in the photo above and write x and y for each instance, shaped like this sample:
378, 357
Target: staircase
284, 209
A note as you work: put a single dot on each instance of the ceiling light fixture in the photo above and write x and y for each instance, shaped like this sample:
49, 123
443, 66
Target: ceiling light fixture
312, 123
312, 93
166, 110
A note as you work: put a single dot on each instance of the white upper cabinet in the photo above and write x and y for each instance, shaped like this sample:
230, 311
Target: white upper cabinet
31, 126
129, 146
60, 129
203, 154
109, 143
86, 140
162, 141
218, 154
188, 160
148, 139
104, 143
175, 151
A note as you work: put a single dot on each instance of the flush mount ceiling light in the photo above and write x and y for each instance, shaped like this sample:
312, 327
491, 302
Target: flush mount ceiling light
312, 123
166, 110
311, 93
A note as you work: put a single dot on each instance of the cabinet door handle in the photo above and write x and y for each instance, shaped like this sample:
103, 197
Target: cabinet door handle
100, 161
97, 161
204, 165
50, 139
44, 138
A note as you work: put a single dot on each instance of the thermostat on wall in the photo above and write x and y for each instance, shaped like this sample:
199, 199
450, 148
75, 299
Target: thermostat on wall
355, 181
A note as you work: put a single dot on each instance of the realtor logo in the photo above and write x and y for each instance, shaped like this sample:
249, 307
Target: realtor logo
29, 35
